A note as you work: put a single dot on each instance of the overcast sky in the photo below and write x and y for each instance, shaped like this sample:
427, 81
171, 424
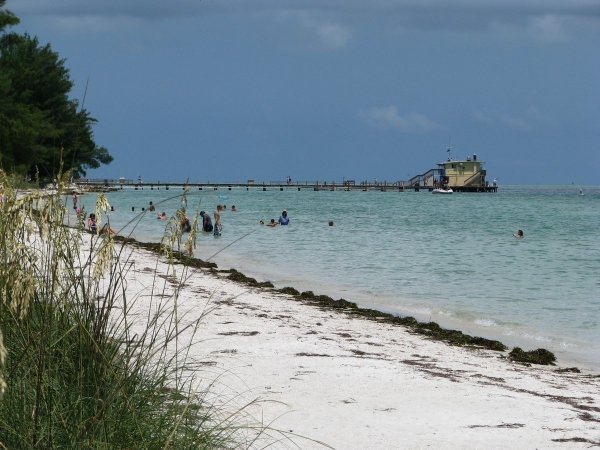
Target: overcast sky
229, 90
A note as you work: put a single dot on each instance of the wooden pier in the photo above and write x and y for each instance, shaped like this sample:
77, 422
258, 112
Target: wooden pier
121, 184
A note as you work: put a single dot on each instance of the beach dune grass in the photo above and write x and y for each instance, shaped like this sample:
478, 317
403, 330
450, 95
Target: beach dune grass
76, 369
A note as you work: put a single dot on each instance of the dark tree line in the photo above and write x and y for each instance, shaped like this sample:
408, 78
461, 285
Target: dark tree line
40, 127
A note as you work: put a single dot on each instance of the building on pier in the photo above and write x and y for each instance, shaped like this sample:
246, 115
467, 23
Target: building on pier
468, 173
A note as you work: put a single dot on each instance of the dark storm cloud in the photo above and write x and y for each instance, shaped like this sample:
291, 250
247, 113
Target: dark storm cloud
424, 14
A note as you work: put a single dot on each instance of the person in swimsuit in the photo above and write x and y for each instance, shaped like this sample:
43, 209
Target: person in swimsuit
93, 226
91, 223
218, 226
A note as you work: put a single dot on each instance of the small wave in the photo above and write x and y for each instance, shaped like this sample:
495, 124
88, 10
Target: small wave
485, 322
537, 338
421, 310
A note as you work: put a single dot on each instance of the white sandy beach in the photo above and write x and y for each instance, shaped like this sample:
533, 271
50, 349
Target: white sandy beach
354, 383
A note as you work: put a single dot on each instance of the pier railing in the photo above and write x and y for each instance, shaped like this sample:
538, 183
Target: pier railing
108, 182
91, 184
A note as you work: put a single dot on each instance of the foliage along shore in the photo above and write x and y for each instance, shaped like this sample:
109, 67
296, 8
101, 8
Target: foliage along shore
78, 367
42, 130
431, 330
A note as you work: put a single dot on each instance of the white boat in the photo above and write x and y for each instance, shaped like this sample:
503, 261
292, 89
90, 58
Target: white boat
442, 191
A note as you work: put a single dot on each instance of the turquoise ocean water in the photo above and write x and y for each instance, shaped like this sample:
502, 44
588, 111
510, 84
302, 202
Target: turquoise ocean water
448, 258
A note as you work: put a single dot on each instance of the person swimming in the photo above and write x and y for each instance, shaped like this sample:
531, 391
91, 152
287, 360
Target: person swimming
519, 234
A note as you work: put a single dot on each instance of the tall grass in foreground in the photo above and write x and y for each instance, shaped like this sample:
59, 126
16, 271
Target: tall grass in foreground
78, 367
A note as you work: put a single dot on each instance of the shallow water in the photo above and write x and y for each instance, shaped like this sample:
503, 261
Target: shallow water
448, 258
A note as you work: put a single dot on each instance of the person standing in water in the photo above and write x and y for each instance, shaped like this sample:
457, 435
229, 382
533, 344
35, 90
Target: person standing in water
218, 226
91, 223
185, 224
207, 225
284, 219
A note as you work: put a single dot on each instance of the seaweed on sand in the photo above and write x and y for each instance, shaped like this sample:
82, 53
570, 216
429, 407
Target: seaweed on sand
539, 356
429, 329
